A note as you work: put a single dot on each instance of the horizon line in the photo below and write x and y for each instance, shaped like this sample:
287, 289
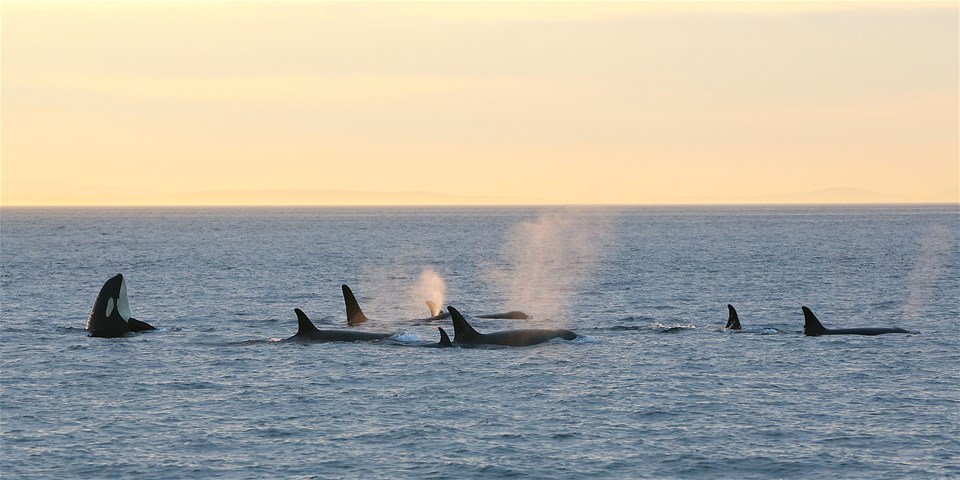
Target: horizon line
492, 205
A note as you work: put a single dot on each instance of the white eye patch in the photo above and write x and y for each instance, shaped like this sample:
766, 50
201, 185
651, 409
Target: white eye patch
109, 307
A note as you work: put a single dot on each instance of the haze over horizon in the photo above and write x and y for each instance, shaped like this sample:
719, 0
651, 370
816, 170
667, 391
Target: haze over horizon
464, 103
346, 198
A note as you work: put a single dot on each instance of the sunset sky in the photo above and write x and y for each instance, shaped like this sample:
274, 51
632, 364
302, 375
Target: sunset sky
215, 102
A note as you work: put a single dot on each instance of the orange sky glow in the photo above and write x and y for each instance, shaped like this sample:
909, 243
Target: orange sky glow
462, 103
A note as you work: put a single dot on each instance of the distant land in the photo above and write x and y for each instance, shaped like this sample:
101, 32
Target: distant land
825, 196
62, 195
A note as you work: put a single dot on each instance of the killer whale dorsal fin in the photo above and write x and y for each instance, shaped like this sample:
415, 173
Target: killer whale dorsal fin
434, 309
811, 325
461, 329
733, 320
444, 338
304, 325
355, 316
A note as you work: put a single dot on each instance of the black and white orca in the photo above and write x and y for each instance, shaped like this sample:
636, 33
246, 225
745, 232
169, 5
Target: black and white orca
465, 335
437, 314
813, 328
110, 316
308, 332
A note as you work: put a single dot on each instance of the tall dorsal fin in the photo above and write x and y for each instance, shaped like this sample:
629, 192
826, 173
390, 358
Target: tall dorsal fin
304, 325
444, 338
733, 320
461, 329
434, 309
811, 325
355, 316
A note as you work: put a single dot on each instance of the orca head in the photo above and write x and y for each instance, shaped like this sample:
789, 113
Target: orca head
111, 309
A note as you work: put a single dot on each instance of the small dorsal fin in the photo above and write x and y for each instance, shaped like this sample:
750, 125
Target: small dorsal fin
811, 325
355, 316
733, 320
461, 329
304, 325
434, 309
444, 338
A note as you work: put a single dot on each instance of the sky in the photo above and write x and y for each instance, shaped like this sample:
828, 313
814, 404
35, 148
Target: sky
450, 103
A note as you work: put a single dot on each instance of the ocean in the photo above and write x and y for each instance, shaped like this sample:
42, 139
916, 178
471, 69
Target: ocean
653, 387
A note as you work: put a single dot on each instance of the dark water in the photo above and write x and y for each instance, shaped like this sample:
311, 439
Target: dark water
652, 389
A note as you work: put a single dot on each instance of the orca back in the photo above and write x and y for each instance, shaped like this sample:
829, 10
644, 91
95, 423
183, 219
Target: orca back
511, 315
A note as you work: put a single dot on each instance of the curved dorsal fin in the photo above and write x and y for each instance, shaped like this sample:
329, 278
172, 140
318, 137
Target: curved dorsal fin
733, 320
355, 316
461, 329
811, 325
304, 325
444, 338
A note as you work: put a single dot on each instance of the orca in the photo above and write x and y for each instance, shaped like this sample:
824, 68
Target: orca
733, 320
437, 314
308, 332
464, 334
813, 328
110, 316
355, 314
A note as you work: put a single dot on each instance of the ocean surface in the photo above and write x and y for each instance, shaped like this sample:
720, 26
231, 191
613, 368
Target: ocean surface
653, 387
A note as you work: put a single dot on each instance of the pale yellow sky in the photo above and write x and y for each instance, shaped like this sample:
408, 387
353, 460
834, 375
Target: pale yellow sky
478, 103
